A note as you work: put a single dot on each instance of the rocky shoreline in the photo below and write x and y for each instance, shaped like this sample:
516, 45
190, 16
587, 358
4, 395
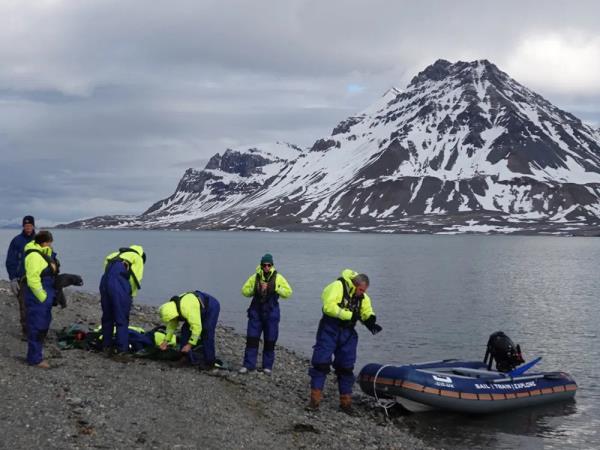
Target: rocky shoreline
88, 401
488, 223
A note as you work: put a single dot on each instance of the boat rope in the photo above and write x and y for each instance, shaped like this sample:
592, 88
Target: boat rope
382, 402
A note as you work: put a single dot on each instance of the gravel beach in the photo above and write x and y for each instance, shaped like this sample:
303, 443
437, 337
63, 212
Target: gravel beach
88, 401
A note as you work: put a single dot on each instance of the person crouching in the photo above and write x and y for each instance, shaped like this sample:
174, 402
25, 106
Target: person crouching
200, 313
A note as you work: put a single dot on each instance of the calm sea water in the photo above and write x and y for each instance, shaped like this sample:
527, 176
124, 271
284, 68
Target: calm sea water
436, 297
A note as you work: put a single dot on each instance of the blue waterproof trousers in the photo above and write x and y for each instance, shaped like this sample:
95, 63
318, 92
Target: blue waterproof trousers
338, 341
115, 298
262, 320
140, 341
209, 317
39, 316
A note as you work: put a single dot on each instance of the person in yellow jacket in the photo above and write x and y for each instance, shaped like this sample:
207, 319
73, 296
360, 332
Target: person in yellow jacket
123, 273
139, 339
345, 301
200, 313
40, 271
265, 287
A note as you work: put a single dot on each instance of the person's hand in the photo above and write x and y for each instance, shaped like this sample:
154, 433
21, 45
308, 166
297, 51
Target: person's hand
186, 348
163, 345
14, 286
372, 326
355, 316
375, 328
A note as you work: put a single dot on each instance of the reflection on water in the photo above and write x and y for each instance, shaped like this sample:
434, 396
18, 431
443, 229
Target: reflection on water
435, 296
502, 431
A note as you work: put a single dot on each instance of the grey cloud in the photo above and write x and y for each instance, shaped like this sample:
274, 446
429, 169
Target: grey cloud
102, 104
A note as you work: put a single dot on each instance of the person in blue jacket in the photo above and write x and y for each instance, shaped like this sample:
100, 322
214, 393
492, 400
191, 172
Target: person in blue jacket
15, 259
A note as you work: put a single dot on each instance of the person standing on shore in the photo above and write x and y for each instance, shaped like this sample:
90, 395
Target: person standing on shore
200, 312
15, 257
345, 301
38, 292
123, 273
265, 287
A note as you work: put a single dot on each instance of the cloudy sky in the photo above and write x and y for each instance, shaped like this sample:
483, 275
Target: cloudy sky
103, 104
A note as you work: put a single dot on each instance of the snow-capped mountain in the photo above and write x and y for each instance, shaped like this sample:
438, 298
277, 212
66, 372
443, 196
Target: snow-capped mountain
227, 180
462, 147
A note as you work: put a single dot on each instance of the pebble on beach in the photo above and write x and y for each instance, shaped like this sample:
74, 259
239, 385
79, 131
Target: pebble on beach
88, 401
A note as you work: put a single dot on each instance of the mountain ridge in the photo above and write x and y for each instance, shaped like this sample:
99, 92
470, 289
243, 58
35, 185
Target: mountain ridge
463, 147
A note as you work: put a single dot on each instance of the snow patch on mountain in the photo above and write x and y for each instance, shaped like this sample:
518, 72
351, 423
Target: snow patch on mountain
462, 148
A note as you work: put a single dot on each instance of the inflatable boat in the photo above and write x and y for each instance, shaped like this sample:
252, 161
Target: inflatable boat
464, 386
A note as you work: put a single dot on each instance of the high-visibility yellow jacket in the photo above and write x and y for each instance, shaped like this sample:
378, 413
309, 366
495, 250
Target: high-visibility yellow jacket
282, 287
136, 264
333, 294
190, 312
35, 264
160, 337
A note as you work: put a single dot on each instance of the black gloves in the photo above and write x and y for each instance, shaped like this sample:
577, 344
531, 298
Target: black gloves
375, 328
372, 326
355, 316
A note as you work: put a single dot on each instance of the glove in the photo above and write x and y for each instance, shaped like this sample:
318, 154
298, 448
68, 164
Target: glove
355, 316
372, 326
14, 286
374, 329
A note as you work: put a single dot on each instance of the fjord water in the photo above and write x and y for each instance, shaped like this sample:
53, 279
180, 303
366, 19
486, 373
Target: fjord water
435, 296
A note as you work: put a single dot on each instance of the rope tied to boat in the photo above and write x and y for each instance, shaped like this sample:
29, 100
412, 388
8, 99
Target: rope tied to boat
384, 403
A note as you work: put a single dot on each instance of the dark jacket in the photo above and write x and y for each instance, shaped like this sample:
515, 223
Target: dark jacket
15, 257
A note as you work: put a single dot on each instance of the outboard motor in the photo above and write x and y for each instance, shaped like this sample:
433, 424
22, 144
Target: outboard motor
503, 350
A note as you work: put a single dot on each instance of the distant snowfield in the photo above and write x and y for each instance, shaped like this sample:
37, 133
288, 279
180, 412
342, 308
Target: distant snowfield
477, 228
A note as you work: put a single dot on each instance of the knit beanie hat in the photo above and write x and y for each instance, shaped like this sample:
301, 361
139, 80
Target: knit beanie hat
267, 258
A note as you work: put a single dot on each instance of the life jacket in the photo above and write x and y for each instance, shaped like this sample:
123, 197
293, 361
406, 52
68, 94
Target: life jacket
53, 264
351, 303
261, 298
126, 263
177, 300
